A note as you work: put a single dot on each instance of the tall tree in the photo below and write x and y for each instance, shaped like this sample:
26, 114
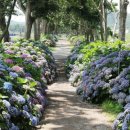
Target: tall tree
6, 9
122, 19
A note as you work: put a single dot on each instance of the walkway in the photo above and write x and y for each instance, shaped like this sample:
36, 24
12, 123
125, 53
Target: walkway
65, 111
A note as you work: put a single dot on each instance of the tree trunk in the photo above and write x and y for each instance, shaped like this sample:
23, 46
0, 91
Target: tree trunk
3, 27
5, 33
43, 26
91, 35
103, 21
29, 21
47, 28
122, 19
37, 29
105, 25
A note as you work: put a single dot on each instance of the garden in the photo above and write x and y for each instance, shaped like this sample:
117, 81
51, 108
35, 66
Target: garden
36, 64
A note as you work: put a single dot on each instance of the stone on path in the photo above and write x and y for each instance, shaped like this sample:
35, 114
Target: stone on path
65, 111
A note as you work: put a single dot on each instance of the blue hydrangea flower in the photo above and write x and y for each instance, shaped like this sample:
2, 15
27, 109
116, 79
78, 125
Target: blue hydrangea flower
13, 111
115, 124
21, 99
25, 107
127, 106
13, 74
6, 103
13, 99
8, 86
14, 127
26, 114
34, 121
124, 125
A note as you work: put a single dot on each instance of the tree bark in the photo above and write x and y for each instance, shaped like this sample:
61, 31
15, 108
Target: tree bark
43, 26
103, 21
3, 27
47, 28
29, 21
122, 19
6, 32
37, 29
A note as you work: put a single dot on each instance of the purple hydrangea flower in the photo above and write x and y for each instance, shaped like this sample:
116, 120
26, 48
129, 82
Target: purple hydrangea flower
13, 74
9, 52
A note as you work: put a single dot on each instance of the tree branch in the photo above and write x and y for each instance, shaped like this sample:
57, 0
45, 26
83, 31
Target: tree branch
21, 6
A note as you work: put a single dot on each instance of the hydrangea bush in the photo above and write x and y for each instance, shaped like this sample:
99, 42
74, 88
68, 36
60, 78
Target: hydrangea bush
102, 72
84, 53
49, 40
25, 70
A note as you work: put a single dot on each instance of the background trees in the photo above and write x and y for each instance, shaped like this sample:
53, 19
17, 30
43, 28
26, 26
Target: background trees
86, 17
34, 10
6, 9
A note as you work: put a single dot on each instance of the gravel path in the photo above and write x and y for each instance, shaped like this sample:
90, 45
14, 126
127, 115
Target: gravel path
65, 111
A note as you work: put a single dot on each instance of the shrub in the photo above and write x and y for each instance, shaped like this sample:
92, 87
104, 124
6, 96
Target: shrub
49, 40
25, 69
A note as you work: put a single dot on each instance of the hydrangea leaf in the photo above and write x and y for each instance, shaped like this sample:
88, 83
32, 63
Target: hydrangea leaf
3, 97
33, 84
22, 80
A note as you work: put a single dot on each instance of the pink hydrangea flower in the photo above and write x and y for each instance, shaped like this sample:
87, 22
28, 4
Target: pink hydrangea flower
17, 69
8, 61
9, 52
24, 55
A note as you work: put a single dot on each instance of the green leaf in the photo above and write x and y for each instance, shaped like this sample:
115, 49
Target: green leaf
22, 80
32, 89
3, 97
32, 84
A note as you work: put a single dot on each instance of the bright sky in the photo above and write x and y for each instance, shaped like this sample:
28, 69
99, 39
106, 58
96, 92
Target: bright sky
117, 1
21, 18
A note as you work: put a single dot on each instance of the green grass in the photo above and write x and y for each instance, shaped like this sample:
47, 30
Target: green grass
111, 108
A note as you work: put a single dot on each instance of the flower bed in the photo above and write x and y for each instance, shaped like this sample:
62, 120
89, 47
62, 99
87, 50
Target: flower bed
103, 72
49, 40
25, 70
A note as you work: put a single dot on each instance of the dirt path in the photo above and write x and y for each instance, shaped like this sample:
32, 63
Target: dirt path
65, 111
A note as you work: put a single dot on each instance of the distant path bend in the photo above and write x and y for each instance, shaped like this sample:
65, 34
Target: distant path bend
65, 112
